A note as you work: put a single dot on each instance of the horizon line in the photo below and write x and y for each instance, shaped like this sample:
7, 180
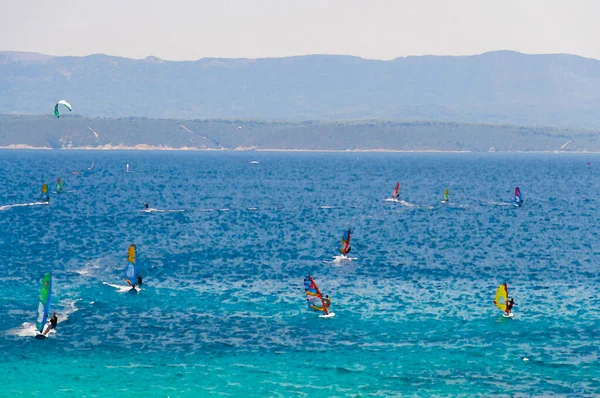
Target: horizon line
155, 58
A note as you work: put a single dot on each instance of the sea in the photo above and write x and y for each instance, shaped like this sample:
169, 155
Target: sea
227, 244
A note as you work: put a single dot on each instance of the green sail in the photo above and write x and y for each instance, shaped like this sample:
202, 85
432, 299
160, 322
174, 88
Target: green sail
44, 303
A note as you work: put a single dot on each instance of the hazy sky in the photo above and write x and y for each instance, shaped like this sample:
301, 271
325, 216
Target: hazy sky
379, 29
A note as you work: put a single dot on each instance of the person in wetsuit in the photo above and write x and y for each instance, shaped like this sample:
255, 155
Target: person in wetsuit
509, 306
53, 322
138, 282
326, 304
345, 254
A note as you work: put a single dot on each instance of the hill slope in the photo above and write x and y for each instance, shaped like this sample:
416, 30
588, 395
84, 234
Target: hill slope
76, 131
498, 87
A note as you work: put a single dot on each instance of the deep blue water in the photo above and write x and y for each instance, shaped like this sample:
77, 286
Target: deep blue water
223, 312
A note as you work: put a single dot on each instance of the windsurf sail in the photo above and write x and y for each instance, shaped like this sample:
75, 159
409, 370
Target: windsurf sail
447, 195
501, 298
44, 302
45, 195
59, 185
518, 197
131, 271
314, 298
396, 193
345, 247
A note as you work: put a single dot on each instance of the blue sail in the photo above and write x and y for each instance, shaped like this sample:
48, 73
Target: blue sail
518, 197
131, 270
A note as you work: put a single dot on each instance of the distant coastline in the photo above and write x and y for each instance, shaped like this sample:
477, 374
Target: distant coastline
24, 146
357, 150
145, 147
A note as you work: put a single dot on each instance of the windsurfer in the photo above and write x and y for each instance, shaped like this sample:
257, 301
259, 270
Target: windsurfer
518, 197
137, 283
396, 193
326, 304
146, 206
509, 305
52, 324
446, 196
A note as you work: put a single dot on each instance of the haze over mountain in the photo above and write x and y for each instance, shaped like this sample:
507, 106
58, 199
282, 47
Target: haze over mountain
498, 87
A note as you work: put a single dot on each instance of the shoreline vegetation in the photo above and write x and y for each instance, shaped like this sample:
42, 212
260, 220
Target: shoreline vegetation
74, 132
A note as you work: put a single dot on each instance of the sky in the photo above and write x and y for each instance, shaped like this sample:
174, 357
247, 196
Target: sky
374, 29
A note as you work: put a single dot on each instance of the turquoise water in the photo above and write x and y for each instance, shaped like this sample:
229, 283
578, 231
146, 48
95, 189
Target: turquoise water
222, 311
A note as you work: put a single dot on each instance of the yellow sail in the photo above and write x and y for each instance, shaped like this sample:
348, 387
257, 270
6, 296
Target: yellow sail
131, 254
501, 297
45, 188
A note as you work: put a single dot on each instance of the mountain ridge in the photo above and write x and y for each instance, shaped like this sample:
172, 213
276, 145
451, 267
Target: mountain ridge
499, 87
